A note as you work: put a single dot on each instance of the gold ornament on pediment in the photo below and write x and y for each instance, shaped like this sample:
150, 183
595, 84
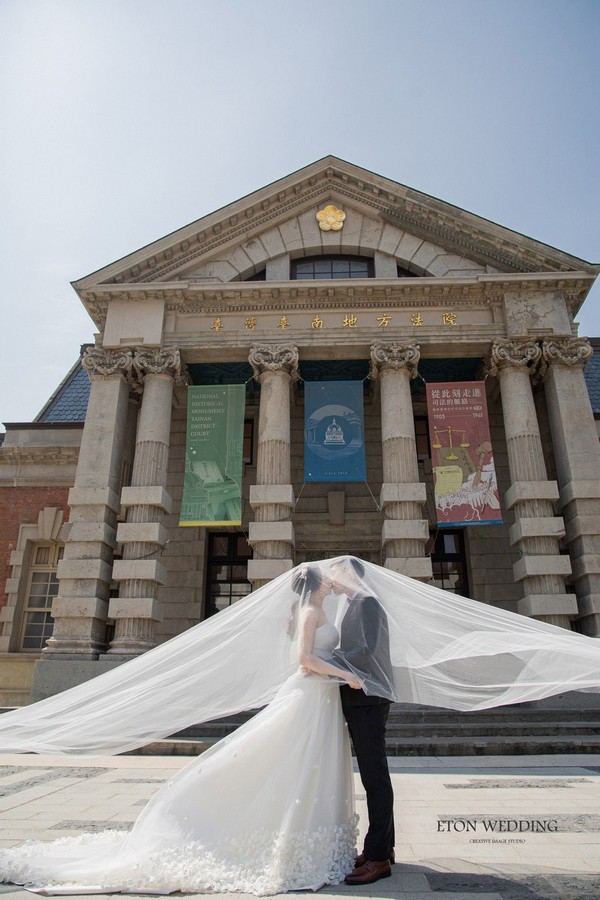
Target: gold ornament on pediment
330, 218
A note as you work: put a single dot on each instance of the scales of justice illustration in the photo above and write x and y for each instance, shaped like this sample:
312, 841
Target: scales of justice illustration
454, 461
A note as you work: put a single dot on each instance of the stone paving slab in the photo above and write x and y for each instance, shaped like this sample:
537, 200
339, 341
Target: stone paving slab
484, 828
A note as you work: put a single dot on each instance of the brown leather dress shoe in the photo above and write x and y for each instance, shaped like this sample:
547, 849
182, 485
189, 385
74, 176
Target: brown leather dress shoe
361, 859
369, 872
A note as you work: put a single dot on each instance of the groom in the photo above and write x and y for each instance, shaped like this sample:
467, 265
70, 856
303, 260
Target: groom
364, 647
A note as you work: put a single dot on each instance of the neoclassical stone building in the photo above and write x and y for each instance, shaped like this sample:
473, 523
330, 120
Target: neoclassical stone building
331, 273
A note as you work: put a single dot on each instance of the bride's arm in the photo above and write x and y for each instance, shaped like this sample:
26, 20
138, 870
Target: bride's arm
308, 660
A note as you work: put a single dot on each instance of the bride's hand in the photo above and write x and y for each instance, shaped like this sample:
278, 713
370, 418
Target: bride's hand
353, 682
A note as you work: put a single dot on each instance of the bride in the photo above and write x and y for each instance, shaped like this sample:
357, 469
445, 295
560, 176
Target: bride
270, 808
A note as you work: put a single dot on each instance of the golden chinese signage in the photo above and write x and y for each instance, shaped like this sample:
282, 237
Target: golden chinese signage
287, 320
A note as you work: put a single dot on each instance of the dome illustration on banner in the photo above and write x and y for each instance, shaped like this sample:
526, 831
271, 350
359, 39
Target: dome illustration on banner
334, 434
334, 431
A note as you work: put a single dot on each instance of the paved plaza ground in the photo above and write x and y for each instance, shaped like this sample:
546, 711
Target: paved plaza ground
485, 828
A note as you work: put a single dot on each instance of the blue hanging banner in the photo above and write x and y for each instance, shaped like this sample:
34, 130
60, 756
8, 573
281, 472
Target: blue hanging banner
334, 445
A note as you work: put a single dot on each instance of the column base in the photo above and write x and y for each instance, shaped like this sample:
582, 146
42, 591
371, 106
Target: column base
67, 648
51, 676
129, 649
133, 636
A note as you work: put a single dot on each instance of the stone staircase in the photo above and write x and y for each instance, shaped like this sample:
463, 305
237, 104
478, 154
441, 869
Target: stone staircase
522, 729
544, 727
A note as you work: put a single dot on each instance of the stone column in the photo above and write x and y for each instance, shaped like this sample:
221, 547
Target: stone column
85, 572
404, 532
577, 456
143, 535
271, 535
536, 531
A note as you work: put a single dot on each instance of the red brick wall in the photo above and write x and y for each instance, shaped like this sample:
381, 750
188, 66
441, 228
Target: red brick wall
21, 506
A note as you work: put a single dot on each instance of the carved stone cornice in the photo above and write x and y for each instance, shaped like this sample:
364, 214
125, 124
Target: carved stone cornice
566, 351
274, 358
469, 292
519, 353
160, 361
395, 356
460, 239
411, 210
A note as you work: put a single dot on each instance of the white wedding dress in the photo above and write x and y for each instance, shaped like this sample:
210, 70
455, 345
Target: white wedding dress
266, 810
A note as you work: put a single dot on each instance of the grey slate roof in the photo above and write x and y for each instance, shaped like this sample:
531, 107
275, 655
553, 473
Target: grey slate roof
592, 376
69, 401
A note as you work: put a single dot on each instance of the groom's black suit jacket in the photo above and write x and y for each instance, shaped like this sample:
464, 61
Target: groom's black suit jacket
365, 649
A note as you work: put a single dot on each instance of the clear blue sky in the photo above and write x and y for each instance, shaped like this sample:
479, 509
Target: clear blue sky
123, 120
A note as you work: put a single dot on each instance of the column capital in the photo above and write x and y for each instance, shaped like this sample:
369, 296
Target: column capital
566, 351
160, 361
274, 358
394, 356
101, 363
520, 353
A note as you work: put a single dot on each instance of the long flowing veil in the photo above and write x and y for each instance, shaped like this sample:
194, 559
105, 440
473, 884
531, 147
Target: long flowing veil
444, 651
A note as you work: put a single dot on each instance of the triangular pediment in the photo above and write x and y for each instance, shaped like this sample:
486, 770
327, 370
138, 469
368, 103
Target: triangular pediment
421, 233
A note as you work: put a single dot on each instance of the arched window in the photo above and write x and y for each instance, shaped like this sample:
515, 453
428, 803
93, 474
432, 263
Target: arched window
312, 268
42, 588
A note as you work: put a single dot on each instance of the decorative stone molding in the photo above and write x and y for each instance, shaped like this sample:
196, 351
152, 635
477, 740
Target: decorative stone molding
134, 365
396, 356
160, 361
463, 293
566, 351
274, 358
520, 353
462, 239
101, 363
418, 214
39, 455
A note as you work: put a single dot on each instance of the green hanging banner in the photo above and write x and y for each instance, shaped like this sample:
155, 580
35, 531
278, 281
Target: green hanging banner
212, 490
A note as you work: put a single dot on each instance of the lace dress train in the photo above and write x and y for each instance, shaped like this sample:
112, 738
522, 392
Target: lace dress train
268, 809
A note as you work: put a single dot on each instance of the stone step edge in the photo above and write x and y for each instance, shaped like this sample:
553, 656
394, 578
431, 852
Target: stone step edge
412, 747
515, 729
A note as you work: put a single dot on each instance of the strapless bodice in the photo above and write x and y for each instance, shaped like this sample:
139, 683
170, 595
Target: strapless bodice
326, 640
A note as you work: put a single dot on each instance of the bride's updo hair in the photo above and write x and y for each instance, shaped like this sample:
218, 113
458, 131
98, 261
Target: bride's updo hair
304, 581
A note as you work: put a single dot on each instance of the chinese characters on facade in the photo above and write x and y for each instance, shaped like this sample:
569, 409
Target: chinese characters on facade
351, 320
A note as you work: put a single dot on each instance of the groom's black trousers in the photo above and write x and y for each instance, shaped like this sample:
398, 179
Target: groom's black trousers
367, 730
